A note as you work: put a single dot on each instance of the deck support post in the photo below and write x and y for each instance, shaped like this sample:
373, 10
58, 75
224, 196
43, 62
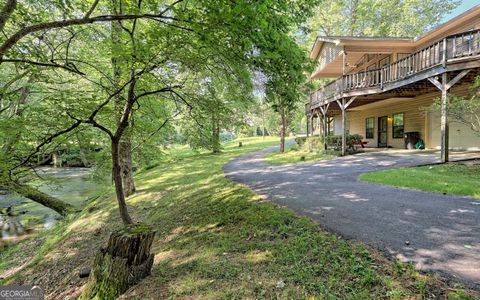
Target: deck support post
319, 124
344, 128
308, 129
344, 104
444, 86
312, 129
324, 111
444, 123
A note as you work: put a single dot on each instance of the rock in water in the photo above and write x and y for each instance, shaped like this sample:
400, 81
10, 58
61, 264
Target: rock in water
125, 261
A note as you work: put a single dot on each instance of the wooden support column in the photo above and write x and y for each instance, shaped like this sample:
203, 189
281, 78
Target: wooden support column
444, 86
308, 118
344, 104
324, 111
311, 125
319, 124
444, 123
344, 128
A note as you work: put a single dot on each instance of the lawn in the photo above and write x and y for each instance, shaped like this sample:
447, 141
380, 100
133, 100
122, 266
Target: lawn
295, 155
450, 179
217, 240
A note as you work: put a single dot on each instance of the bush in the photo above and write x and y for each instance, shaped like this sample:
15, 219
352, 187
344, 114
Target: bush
313, 144
335, 141
300, 140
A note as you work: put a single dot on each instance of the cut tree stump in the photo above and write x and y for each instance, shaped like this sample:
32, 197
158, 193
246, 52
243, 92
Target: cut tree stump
125, 261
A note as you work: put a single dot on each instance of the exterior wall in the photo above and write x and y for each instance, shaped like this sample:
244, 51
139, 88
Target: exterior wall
461, 137
416, 118
337, 125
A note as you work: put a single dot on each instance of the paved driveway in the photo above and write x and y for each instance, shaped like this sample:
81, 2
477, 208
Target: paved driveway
443, 232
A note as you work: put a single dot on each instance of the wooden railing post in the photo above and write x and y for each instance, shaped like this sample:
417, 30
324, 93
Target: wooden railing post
444, 58
381, 78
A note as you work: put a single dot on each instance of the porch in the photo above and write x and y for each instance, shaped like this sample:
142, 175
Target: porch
430, 72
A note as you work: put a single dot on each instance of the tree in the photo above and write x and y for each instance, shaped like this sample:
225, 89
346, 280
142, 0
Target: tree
220, 104
285, 88
218, 41
465, 110
390, 18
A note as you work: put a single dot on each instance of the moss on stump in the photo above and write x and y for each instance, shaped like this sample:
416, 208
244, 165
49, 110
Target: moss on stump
125, 261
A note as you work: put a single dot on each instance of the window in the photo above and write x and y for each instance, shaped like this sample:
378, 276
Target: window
371, 57
369, 127
372, 67
383, 62
402, 55
398, 125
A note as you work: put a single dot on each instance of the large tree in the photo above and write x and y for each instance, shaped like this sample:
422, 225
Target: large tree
392, 18
162, 41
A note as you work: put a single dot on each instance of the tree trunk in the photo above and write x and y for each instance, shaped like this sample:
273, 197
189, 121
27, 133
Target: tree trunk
215, 136
117, 180
83, 155
283, 131
125, 153
125, 261
63, 208
126, 165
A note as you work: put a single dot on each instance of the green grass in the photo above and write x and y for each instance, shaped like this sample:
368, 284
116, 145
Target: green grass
451, 179
218, 240
295, 155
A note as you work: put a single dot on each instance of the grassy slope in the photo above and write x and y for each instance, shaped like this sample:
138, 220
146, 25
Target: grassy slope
449, 179
215, 239
294, 155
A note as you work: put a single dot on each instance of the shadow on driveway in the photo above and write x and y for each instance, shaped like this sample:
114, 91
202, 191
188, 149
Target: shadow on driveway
438, 233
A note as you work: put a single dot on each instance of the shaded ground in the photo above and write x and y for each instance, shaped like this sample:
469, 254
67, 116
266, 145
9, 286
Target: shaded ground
439, 233
215, 240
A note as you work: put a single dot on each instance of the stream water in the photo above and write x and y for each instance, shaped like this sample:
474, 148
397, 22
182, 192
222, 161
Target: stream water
20, 216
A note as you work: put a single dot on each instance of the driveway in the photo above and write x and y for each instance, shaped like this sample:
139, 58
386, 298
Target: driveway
439, 233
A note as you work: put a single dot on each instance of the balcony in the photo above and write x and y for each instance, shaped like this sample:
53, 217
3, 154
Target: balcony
450, 54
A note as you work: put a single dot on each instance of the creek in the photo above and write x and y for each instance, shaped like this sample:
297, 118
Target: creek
21, 217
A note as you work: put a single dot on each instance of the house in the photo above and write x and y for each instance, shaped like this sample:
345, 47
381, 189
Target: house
382, 87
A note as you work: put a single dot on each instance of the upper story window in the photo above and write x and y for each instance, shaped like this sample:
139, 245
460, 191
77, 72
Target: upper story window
369, 127
383, 62
398, 125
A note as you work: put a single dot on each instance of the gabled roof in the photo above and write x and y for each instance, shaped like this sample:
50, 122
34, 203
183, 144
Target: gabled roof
358, 41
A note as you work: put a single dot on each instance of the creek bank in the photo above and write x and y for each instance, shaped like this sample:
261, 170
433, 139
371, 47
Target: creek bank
20, 216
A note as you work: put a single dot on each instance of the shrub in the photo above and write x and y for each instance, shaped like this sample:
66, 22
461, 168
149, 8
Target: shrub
335, 141
300, 140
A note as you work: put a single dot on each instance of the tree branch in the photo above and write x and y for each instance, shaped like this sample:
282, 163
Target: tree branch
72, 69
92, 8
12, 40
6, 12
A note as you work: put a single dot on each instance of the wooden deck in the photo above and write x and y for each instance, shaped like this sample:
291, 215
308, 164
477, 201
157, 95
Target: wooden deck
408, 75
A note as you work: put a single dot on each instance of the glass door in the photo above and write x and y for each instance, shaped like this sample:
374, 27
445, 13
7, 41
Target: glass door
382, 132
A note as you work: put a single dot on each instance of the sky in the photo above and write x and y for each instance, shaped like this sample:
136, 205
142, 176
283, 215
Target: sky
464, 6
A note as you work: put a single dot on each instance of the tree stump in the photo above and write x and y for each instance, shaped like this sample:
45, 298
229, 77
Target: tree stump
125, 261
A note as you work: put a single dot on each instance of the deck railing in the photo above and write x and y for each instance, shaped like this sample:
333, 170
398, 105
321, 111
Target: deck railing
452, 47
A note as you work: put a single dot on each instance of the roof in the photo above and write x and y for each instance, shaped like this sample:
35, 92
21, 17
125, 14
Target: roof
396, 41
